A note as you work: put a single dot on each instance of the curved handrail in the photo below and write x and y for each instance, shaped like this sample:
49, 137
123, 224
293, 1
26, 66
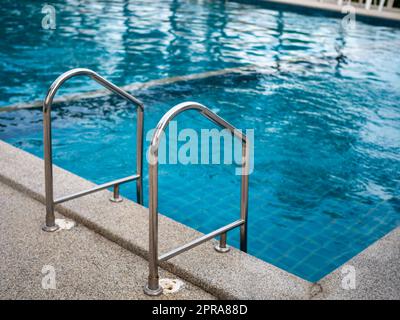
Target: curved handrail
96, 77
48, 160
179, 108
153, 286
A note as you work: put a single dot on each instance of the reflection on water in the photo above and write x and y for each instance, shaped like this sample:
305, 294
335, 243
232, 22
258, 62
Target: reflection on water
129, 41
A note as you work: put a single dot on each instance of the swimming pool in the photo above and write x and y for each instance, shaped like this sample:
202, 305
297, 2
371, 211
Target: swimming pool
323, 103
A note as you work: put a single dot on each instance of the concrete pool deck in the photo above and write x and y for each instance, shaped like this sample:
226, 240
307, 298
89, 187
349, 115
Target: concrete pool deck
86, 265
234, 275
377, 273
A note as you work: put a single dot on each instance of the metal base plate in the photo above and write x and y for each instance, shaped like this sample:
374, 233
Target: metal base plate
50, 229
112, 199
151, 292
60, 224
221, 250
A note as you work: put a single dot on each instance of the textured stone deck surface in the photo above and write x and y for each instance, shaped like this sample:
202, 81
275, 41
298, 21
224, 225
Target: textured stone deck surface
86, 265
376, 271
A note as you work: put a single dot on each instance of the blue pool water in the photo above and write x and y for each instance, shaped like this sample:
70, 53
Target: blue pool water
323, 103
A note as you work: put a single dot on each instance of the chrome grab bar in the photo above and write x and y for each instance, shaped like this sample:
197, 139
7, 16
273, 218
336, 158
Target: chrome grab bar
153, 287
50, 224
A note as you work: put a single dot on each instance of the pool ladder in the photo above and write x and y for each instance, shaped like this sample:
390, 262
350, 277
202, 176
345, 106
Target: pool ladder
50, 224
152, 287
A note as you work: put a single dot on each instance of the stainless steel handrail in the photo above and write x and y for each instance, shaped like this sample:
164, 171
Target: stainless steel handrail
50, 224
153, 287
